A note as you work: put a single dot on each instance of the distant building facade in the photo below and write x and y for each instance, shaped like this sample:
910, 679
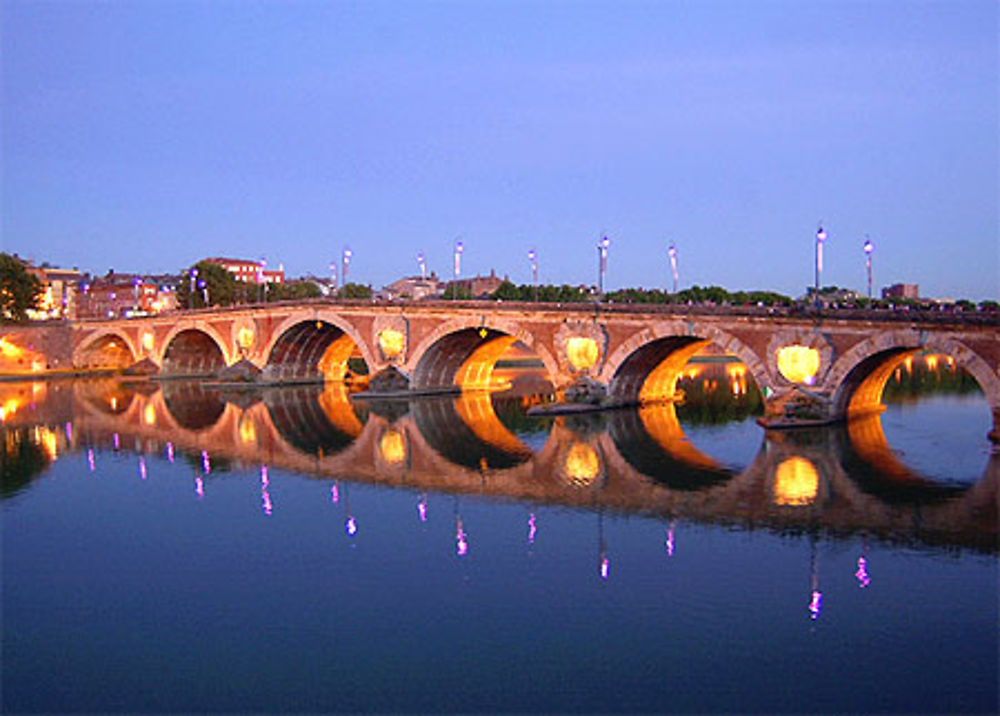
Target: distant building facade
901, 290
478, 286
123, 295
414, 288
248, 271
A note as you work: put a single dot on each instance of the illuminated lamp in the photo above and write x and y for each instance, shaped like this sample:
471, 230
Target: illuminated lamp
798, 363
582, 352
390, 342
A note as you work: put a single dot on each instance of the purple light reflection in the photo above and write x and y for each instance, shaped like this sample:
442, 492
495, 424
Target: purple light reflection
862, 574
422, 510
116, 441
461, 544
170, 452
815, 604
351, 527
69, 432
199, 487
532, 528
90, 460
206, 463
669, 543
142, 468
334, 494
605, 568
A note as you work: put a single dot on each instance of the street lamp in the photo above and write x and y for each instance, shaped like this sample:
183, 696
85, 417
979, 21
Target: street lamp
533, 258
869, 247
820, 238
204, 290
673, 264
423, 266
602, 264
261, 279
346, 262
193, 273
333, 278
459, 248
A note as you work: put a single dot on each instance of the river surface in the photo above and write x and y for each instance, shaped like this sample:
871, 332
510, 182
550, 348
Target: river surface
183, 547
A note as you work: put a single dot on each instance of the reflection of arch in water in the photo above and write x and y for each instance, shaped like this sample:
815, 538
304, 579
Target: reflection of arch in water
107, 349
109, 397
652, 441
192, 407
463, 352
193, 352
466, 431
868, 459
313, 350
315, 420
859, 377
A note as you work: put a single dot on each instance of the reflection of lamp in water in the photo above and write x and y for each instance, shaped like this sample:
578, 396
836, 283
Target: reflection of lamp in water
248, 431
532, 528
461, 541
605, 563
206, 463
142, 468
669, 542
796, 482
170, 453
90, 460
422, 507
265, 495
199, 487
335, 494
815, 596
582, 465
862, 574
392, 446
116, 441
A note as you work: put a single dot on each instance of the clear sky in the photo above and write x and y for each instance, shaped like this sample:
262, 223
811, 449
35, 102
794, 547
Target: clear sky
147, 134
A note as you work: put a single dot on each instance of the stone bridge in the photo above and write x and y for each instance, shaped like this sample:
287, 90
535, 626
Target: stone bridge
808, 365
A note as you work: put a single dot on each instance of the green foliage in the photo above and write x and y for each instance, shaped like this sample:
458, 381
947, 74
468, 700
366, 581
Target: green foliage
453, 292
23, 461
355, 290
222, 287
293, 290
19, 290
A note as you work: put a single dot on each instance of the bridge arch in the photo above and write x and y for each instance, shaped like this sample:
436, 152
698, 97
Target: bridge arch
106, 348
194, 348
857, 378
463, 351
313, 345
646, 366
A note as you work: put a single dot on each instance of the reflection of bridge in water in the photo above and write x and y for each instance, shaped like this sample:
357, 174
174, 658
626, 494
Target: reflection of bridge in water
841, 480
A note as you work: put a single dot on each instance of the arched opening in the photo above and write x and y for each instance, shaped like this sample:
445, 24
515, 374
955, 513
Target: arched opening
316, 420
479, 359
651, 440
467, 431
316, 351
917, 425
192, 406
192, 353
109, 352
108, 396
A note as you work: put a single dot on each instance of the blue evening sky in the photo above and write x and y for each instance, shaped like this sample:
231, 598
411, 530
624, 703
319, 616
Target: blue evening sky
144, 135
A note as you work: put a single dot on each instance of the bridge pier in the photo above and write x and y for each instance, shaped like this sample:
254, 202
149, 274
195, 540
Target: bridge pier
994, 434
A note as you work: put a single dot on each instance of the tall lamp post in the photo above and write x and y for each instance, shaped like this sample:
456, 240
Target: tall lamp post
345, 264
869, 247
459, 248
820, 238
194, 276
333, 278
533, 258
602, 264
422, 263
673, 264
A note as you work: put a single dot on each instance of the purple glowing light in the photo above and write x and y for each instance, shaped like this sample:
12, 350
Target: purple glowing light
815, 604
461, 544
669, 543
116, 441
206, 464
264, 481
605, 568
422, 510
334, 495
862, 574
90, 460
532, 528
142, 468
265, 501
351, 527
69, 432
170, 452
199, 487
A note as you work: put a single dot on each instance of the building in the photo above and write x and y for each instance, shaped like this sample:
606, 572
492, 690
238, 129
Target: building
124, 295
249, 271
901, 290
478, 286
59, 292
414, 288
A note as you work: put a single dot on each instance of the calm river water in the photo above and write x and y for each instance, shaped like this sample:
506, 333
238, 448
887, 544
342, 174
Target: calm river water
180, 547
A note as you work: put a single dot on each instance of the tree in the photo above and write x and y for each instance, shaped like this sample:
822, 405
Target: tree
212, 282
19, 290
355, 290
293, 290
